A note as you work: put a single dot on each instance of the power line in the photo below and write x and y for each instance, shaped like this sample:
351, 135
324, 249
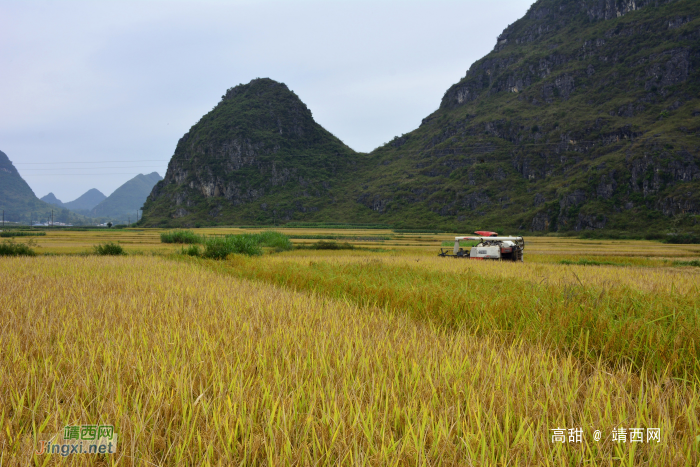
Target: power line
93, 168
62, 175
92, 162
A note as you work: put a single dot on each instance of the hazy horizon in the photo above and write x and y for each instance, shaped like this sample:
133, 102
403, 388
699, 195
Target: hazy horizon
95, 93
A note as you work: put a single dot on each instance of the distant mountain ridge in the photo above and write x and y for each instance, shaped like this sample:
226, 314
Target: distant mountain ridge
21, 204
86, 201
83, 204
51, 199
127, 199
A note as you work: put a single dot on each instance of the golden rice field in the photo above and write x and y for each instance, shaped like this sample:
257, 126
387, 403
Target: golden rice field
538, 248
391, 357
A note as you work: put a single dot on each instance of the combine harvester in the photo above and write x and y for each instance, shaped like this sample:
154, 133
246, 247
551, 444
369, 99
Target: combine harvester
490, 246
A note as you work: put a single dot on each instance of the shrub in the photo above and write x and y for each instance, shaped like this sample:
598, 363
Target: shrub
221, 247
321, 245
694, 263
276, 240
192, 250
22, 234
683, 239
181, 236
217, 248
109, 249
10, 248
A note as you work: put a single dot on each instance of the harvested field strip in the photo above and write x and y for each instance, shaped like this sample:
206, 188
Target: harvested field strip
657, 330
198, 368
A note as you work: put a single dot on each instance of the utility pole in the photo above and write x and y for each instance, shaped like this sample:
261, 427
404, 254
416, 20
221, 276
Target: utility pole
3, 218
52, 218
129, 224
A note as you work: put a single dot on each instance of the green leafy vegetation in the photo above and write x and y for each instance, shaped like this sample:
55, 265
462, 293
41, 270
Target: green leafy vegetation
109, 249
10, 248
332, 225
375, 238
324, 245
181, 236
274, 240
191, 250
693, 263
21, 233
683, 239
219, 247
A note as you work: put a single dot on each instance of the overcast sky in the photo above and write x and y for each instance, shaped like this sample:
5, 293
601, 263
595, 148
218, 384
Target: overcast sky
93, 93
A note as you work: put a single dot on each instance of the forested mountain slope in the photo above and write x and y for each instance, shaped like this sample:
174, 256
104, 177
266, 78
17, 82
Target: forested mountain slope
123, 203
86, 201
258, 156
586, 115
19, 202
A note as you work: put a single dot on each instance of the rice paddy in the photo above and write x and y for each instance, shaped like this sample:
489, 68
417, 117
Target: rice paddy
379, 355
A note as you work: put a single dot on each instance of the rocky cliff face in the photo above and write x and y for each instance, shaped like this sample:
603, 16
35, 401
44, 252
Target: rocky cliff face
257, 156
584, 116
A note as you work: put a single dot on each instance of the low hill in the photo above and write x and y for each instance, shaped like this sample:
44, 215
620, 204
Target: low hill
81, 205
19, 202
126, 199
51, 199
86, 201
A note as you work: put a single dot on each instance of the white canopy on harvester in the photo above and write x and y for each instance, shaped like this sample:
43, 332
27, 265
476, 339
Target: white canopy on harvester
490, 246
489, 239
